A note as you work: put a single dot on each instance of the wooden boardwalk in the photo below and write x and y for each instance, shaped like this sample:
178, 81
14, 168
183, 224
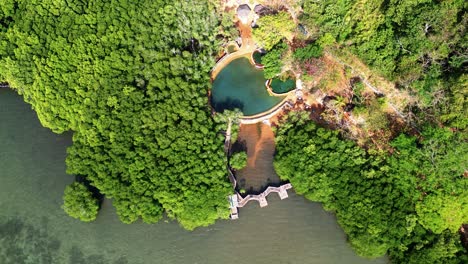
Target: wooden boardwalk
236, 200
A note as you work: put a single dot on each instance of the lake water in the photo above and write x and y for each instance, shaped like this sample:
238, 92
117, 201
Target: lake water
241, 85
33, 228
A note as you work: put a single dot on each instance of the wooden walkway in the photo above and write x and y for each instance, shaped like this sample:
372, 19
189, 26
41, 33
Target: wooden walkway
236, 200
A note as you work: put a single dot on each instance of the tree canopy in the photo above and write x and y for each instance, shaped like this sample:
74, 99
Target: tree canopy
79, 203
130, 79
420, 45
273, 28
238, 160
404, 204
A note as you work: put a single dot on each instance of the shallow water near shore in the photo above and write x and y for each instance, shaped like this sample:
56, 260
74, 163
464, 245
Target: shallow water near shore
34, 229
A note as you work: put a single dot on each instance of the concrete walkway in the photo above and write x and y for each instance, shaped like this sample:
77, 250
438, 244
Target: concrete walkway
261, 198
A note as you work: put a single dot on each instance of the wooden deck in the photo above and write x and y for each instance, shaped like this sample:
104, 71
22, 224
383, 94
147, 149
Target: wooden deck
236, 200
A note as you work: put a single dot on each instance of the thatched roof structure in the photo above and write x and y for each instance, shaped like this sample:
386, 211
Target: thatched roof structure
264, 10
258, 8
243, 11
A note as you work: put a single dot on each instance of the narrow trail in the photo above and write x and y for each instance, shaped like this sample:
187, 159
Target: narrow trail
227, 141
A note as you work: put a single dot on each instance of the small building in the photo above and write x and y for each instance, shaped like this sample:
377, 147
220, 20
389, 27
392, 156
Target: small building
233, 204
258, 9
261, 10
243, 12
233, 201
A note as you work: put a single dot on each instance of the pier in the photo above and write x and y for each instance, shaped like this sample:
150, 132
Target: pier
237, 201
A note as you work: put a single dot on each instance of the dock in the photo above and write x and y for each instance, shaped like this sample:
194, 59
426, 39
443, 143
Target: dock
236, 200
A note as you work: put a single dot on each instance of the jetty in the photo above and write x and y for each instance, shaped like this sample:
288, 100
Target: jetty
237, 201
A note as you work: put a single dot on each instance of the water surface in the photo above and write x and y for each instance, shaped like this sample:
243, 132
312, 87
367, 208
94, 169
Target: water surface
259, 141
33, 228
241, 85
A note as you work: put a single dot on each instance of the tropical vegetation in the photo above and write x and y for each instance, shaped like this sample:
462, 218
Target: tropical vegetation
409, 204
79, 203
130, 79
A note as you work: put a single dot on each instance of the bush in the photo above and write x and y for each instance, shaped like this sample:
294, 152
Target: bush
79, 203
238, 160
310, 51
272, 60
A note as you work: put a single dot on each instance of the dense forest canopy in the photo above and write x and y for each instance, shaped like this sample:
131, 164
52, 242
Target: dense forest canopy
130, 78
408, 204
409, 198
420, 45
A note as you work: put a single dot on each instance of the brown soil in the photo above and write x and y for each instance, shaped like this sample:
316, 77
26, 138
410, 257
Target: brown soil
245, 32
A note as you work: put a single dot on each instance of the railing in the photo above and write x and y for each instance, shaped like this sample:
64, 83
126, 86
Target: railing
261, 197
265, 115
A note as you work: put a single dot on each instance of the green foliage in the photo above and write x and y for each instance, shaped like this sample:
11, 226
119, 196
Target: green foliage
238, 160
310, 51
229, 120
442, 165
385, 204
454, 107
418, 44
434, 249
272, 61
79, 203
130, 78
272, 29
228, 29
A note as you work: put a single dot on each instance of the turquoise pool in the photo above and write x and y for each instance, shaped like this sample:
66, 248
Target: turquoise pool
241, 85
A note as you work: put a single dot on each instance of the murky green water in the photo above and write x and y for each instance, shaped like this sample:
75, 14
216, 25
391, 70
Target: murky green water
241, 85
33, 228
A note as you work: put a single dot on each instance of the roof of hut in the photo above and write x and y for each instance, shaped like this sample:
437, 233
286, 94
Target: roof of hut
258, 8
243, 11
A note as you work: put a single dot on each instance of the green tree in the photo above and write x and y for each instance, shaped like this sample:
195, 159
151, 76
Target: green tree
309, 51
130, 79
229, 121
238, 160
272, 61
402, 204
79, 203
273, 28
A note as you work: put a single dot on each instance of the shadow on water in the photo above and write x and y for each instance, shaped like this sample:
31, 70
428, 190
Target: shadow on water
77, 257
229, 104
21, 242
